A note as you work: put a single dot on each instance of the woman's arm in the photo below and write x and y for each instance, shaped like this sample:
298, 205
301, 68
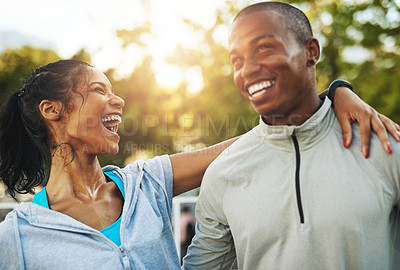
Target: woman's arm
188, 168
349, 107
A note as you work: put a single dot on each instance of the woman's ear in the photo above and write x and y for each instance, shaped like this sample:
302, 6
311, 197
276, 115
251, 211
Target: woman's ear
313, 51
50, 110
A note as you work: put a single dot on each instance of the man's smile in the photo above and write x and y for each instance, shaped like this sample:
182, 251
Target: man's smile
259, 88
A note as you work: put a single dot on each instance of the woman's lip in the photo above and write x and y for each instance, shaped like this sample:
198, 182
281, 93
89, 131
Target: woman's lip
111, 120
111, 132
111, 117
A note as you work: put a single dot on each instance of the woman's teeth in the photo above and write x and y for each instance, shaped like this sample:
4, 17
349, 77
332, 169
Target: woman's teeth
111, 118
111, 122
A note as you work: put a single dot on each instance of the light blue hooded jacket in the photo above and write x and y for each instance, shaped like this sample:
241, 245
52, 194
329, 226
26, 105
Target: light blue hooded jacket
33, 237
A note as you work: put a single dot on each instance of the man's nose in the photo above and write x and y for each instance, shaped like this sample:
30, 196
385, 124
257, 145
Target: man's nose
250, 67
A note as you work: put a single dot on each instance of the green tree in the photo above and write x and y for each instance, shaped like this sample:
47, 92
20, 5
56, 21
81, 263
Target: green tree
145, 122
221, 112
82, 55
360, 43
218, 111
17, 64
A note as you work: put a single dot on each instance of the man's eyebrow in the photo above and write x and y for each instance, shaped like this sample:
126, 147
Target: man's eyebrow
232, 52
254, 40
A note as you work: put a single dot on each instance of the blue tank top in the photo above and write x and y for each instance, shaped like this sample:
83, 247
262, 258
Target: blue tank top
112, 232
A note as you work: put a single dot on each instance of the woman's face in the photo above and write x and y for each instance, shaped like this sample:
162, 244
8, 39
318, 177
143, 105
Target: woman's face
92, 124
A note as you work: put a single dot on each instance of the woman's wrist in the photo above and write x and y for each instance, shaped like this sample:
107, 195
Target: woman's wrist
334, 85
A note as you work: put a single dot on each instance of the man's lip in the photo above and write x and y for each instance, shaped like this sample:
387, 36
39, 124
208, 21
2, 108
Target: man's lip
258, 94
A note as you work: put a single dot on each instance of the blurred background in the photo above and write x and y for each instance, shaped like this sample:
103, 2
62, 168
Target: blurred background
169, 61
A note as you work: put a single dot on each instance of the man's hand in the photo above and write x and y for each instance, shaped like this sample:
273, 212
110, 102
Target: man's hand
349, 107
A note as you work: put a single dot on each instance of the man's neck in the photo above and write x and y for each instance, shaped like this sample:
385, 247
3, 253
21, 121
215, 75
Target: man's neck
295, 118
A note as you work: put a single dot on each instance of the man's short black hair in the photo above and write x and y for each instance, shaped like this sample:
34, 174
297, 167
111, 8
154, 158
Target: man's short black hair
295, 19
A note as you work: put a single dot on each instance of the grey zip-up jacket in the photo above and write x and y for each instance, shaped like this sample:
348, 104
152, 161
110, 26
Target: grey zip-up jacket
292, 197
34, 237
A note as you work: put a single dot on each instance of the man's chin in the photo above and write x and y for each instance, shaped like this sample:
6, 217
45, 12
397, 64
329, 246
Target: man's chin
261, 110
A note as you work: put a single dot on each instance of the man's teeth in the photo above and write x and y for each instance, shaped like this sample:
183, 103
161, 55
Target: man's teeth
259, 86
112, 118
259, 93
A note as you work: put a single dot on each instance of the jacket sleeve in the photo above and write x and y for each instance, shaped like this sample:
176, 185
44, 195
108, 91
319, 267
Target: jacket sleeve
10, 246
160, 170
392, 170
212, 247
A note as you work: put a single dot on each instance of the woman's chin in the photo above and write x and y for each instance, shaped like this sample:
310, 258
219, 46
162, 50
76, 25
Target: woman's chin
109, 149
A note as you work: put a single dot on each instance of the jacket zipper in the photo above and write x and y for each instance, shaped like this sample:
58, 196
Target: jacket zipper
297, 178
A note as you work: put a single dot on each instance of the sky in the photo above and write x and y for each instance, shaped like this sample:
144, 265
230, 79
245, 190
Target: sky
70, 25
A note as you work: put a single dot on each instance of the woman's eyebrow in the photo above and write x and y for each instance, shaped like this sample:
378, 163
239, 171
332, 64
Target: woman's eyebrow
102, 84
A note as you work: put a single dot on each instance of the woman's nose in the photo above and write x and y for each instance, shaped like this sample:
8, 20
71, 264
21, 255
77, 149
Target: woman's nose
117, 101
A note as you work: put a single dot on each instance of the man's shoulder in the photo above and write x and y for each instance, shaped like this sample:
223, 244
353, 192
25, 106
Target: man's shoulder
247, 140
238, 151
378, 155
243, 145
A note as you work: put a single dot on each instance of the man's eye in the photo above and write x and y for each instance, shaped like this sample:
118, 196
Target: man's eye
263, 48
236, 61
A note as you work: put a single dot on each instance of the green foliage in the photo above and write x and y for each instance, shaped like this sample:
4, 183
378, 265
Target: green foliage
163, 121
218, 111
17, 64
83, 56
350, 29
147, 124
134, 36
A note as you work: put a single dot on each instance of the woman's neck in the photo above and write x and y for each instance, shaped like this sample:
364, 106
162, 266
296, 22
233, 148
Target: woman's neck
74, 175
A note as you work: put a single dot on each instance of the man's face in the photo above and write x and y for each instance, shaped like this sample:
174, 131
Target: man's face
270, 67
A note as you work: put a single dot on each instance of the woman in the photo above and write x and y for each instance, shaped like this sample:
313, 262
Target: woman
88, 217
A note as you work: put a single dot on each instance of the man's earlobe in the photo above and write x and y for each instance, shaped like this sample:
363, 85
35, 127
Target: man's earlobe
50, 110
313, 51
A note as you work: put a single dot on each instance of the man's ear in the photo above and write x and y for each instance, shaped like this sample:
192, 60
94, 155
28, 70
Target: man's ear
50, 110
313, 51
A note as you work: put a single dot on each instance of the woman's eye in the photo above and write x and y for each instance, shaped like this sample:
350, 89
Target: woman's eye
100, 90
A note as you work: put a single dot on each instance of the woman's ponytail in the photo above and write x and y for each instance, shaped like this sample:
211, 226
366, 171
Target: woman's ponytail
24, 137
22, 165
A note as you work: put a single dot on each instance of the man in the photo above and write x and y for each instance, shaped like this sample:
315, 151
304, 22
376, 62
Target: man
270, 199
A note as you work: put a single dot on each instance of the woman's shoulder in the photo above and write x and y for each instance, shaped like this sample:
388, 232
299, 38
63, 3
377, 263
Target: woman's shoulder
7, 229
155, 170
159, 166
9, 244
